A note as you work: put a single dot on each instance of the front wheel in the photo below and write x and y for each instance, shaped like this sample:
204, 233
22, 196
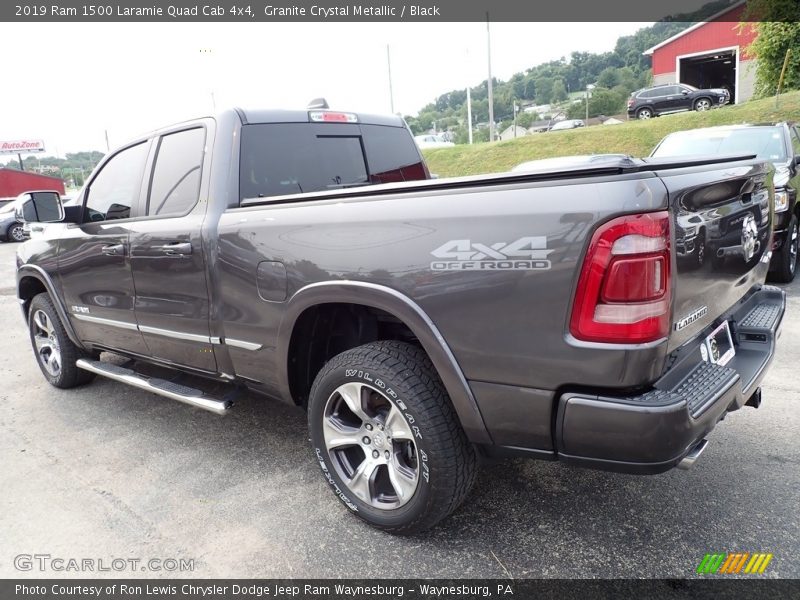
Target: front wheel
702, 104
387, 438
55, 352
787, 257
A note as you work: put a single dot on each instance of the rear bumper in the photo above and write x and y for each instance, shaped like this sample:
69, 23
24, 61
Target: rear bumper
654, 431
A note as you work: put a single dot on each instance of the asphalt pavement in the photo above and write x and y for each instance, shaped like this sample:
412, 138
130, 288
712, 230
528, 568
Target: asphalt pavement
109, 472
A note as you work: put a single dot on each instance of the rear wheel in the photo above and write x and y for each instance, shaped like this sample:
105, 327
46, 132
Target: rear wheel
55, 352
15, 233
787, 257
387, 438
644, 113
702, 104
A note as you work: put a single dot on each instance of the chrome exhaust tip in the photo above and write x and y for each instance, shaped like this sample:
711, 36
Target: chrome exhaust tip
687, 462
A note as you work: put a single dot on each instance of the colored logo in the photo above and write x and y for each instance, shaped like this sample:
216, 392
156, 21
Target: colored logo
734, 562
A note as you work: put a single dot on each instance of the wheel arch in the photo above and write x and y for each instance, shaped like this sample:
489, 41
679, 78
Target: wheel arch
33, 280
407, 312
696, 100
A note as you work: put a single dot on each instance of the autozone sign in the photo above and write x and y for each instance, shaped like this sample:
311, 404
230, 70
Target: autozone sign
21, 146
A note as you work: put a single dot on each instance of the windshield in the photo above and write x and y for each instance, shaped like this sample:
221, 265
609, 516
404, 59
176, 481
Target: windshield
7, 208
764, 142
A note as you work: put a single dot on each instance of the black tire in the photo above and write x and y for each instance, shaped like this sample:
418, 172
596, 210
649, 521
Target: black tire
445, 460
703, 104
68, 375
786, 266
645, 113
15, 233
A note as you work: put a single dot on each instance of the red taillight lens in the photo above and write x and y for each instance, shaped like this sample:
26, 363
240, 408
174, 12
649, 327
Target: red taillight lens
630, 102
623, 293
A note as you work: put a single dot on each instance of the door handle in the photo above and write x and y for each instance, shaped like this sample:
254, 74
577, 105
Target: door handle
174, 248
114, 250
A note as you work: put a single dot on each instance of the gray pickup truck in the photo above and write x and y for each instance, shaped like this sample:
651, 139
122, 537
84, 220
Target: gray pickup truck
424, 324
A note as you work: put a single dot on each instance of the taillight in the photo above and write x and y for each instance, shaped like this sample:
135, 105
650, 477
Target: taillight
630, 102
623, 293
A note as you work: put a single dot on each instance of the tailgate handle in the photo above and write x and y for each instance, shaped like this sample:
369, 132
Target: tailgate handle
174, 248
114, 250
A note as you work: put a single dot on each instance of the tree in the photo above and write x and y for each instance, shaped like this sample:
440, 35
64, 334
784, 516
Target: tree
609, 77
559, 91
602, 102
777, 30
544, 90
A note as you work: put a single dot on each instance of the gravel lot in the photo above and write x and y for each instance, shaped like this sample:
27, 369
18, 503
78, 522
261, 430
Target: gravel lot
108, 472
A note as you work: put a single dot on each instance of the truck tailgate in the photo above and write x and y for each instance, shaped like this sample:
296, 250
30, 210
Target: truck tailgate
722, 224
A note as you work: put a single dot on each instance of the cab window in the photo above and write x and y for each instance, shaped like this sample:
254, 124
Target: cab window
115, 189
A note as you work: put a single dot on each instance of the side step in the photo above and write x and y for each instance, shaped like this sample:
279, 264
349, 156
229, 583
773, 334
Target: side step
162, 387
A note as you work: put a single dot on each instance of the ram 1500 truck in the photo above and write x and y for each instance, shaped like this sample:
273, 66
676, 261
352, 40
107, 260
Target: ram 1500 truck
422, 324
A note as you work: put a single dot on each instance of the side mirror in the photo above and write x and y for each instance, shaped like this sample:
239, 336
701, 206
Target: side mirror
685, 92
39, 207
797, 160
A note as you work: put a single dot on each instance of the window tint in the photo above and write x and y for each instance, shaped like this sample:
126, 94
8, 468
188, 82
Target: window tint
670, 90
392, 154
116, 187
290, 158
796, 139
176, 175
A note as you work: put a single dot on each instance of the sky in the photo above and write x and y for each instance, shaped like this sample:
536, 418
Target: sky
69, 83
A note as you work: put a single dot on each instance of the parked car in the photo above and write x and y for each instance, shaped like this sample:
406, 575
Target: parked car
11, 230
432, 141
567, 124
421, 324
669, 98
560, 162
778, 143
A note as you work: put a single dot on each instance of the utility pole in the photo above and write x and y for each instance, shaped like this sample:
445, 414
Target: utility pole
514, 107
19, 158
389, 66
469, 114
108, 147
491, 93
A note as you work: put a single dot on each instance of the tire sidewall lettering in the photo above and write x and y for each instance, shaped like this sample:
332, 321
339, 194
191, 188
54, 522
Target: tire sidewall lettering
379, 384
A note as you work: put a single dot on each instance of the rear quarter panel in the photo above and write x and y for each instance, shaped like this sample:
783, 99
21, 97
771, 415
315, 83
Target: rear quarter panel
503, 325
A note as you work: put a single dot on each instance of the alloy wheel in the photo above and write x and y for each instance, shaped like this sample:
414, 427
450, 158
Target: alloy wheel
47, 346
371, 445
702, 105
16, 233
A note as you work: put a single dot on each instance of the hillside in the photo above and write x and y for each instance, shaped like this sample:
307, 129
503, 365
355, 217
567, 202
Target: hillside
636, 138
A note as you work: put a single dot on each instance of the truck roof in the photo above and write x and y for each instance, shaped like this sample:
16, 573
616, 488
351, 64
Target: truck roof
261, 115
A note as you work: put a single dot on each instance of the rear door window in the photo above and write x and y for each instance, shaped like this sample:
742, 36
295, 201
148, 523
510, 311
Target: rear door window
175, 184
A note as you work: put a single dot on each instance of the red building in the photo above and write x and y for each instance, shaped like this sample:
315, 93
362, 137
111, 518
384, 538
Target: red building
13, 183
709, 54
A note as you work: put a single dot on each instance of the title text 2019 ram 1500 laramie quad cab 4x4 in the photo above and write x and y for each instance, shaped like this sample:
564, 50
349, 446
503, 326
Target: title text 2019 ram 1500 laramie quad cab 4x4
421, 323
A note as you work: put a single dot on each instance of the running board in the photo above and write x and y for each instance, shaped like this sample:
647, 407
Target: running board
162, 387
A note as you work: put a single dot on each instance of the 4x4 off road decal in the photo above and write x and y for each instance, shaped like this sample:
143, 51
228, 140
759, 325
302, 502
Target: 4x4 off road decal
526, 253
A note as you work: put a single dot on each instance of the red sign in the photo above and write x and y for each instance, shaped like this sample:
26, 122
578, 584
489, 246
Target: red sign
21, 146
